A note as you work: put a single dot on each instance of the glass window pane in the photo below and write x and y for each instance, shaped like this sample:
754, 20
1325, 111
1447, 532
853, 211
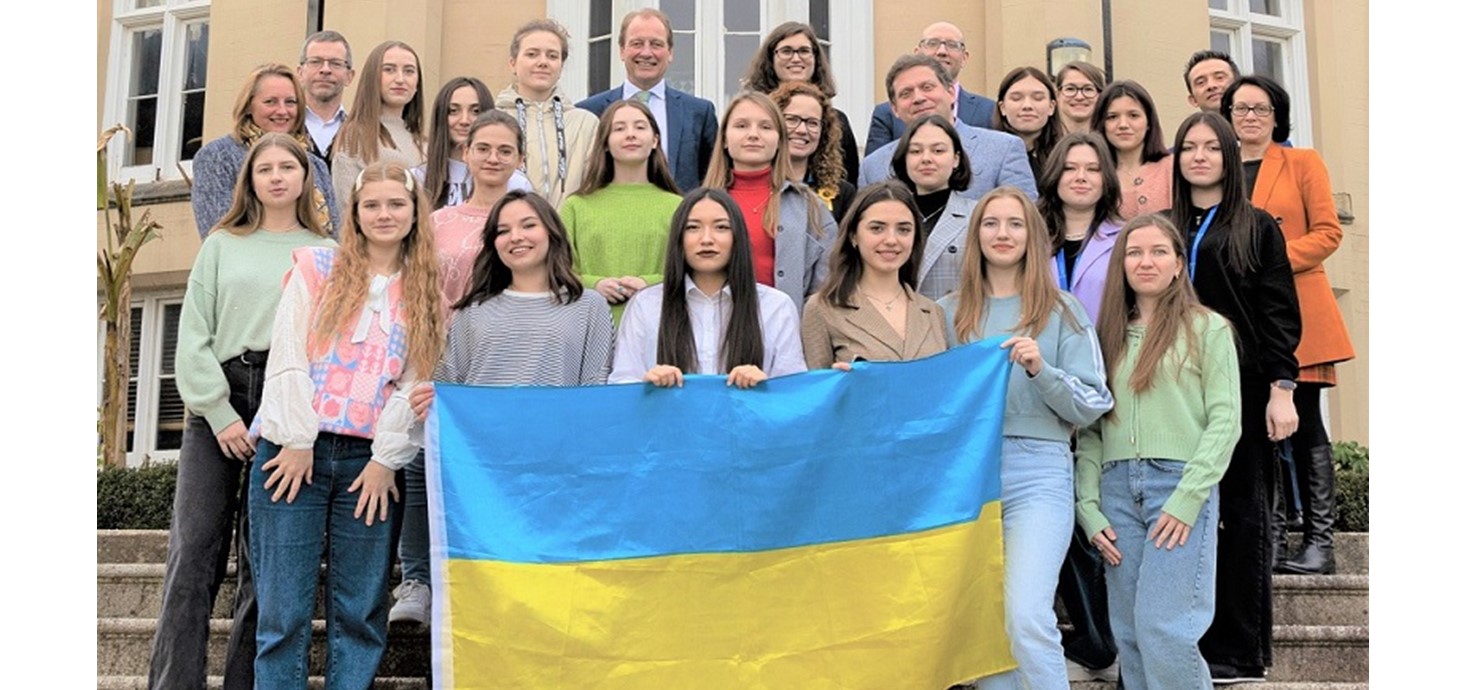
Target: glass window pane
681, 73
146, 61
742, 16
196, 68
1222, 41
170, 315
191, 138
1217, 4
168, 435
681, 14
821, 19
600, 18
144, 4
600, 53
142, 118
1267, 60
738, 52
1269, 7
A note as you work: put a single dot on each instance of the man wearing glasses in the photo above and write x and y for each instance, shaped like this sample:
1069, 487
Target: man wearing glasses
943, 41
324, 71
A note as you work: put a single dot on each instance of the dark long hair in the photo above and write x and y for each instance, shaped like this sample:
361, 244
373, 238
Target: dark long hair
1152, 148
743, 343
1282, 109
1052, 207
846, 261
1049, 135
439, 148
599, 173
361, 135
1235, 212
489, 276
760, 74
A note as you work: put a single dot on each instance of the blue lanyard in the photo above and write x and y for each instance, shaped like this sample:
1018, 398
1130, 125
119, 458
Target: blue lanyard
1060, 271
1196, 244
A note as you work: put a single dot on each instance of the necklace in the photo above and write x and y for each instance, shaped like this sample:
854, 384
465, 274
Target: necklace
886, 303
296, 226
933, 213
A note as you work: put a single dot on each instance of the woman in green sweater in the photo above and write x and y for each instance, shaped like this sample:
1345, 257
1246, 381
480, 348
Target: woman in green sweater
1146, 475
222, 346
618, 221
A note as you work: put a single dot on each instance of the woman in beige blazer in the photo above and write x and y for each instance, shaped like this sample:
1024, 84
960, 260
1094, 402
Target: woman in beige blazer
869, 307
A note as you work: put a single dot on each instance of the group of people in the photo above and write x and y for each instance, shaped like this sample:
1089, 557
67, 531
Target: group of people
1166, 311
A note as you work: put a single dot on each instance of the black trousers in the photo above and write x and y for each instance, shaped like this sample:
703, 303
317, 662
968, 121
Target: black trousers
1241, 631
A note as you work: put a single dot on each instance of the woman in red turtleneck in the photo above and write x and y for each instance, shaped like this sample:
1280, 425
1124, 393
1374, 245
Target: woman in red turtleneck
790, 229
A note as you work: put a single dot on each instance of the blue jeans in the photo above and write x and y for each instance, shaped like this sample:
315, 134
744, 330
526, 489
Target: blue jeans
1039, 513
287, 542
1161, 600
415, 532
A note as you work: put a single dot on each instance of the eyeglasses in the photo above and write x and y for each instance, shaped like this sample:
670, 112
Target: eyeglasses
813, 125
933, 43
1086, 90
316, 63
1261, 110
787, 52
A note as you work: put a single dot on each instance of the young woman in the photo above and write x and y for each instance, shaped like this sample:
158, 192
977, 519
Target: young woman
354, 329
1026, 110
384, 123
271, 100
1079, 200
445, 173
1239, 267
618, 221
223, 342
930, 160
559, 134
1007, 292
1147, 473
709, 316
790, 229
1127, 118
869, 307
810, 138
1079, 84
791, 52
1291, 184
493, 152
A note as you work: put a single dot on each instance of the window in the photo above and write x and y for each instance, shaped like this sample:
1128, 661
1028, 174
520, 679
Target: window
155, 413
1266, 37
714, 41
156, 82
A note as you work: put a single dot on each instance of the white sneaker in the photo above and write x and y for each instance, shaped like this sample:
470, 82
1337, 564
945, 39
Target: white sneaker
1079, 673
412, 603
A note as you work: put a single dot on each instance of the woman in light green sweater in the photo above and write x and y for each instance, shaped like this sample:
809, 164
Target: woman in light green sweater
222, 346
1146, 474
618, 221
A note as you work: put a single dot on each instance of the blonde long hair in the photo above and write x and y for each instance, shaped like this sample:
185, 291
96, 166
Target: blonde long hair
722, 170
1038, 295
246, 212
348, 284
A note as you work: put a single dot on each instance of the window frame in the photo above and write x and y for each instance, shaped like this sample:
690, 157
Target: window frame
172, 17
1286, 28
148, 374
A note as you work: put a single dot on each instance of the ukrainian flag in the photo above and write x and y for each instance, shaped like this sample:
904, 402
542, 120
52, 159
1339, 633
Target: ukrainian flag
823, 530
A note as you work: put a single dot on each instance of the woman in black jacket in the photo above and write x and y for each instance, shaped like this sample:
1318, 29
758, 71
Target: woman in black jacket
1239, 266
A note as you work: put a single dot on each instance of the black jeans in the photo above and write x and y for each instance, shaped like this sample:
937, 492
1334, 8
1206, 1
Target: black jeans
211, 490
1241, 632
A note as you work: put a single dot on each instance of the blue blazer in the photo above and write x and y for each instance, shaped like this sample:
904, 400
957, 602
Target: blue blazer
973, 109
692, 128
997, 158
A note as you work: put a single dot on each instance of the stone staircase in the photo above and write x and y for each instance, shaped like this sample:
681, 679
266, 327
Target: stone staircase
1320, 642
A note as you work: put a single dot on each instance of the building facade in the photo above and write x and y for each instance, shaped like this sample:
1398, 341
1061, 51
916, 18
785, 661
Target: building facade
170, 70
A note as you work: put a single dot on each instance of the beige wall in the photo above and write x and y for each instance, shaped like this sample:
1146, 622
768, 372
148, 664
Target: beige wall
242, 36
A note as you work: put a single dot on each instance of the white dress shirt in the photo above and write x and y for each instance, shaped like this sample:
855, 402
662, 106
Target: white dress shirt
659, 107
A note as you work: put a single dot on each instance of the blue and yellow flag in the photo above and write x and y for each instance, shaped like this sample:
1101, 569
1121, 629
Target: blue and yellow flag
822, 530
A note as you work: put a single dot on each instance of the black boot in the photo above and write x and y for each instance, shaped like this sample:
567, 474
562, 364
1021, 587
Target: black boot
1316, 557
1279, 523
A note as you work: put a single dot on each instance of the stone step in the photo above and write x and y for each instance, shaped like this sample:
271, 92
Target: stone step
124, 646
134, 590
1310, 653
1320, 600
216, 683
1350, 551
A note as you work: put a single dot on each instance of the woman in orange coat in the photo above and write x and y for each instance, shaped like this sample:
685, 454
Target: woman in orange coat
1292, 185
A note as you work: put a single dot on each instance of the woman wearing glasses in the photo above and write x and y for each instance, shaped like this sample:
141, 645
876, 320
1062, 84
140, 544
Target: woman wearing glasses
1078, 85
1292, 185
811, 133
791, 52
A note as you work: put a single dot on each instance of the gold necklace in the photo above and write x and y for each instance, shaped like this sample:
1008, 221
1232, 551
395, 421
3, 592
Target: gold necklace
886, 303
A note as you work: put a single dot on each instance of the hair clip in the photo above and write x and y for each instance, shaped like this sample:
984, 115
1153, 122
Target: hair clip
359, 181
410, 181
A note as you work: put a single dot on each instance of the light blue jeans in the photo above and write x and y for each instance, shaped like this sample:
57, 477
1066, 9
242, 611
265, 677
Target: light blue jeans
1039, 513
1161, 600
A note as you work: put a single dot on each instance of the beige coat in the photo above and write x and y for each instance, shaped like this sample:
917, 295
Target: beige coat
835, 334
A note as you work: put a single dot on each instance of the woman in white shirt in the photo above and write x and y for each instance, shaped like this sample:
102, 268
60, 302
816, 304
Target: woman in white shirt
709, 316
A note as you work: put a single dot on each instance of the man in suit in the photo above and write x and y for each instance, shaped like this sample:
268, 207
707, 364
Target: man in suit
687, 124
324, 71
918, 85
943, 41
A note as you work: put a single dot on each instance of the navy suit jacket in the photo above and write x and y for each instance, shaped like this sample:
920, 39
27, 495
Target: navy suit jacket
998, 159
973, 109
692, 128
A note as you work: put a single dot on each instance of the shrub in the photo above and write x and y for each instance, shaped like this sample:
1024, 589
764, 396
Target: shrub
1351, 484
135, 498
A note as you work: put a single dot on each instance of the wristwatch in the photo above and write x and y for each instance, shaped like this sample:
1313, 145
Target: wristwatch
1285, 384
